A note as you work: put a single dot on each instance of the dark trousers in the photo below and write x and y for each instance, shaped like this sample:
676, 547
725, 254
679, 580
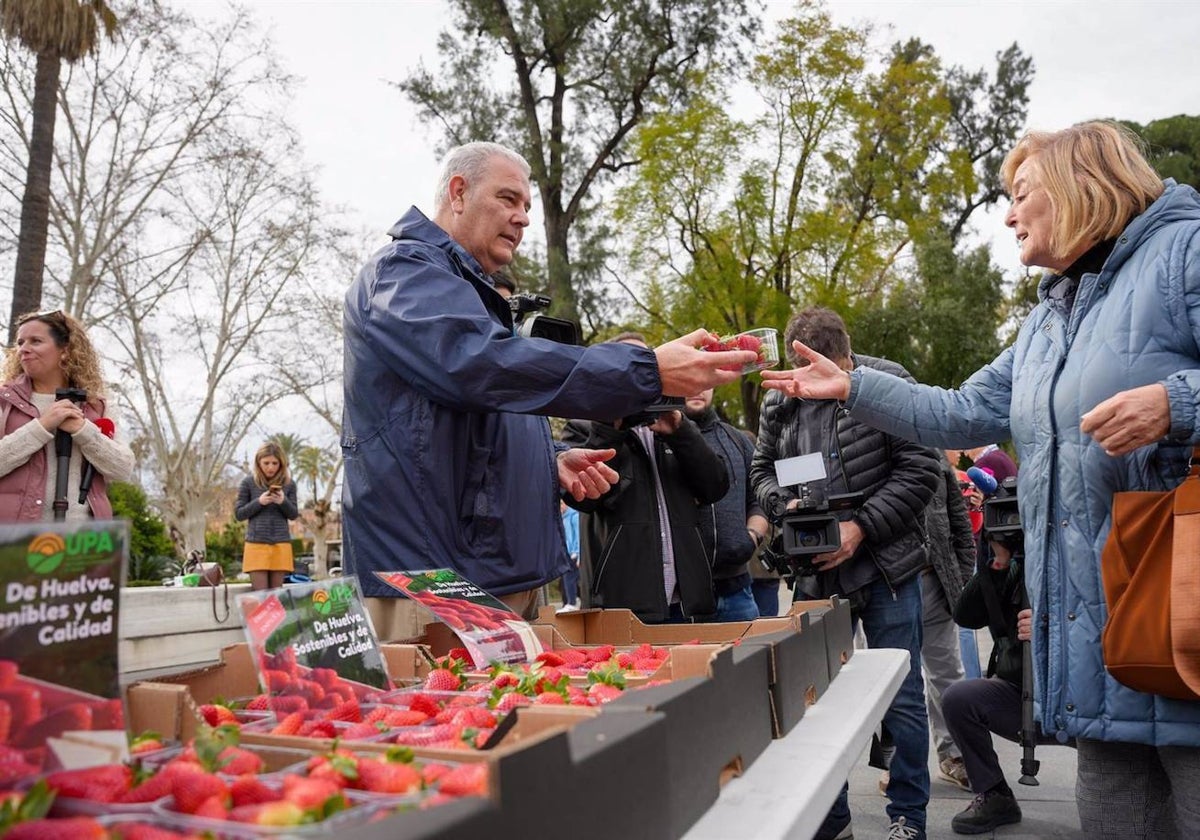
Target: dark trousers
974, 710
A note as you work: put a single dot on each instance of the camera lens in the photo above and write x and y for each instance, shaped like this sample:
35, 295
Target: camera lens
808, 539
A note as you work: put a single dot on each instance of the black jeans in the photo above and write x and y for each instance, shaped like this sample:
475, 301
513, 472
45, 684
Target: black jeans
974, 709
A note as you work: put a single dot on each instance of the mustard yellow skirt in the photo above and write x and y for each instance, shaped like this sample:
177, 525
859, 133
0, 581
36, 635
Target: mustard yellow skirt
267, 557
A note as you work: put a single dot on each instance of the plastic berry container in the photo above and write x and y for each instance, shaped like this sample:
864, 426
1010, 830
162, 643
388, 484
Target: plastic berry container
764, 341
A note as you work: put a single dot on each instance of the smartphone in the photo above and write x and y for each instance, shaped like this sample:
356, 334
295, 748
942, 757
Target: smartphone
275, 488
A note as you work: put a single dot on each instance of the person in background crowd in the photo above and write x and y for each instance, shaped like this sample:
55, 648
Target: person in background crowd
266, 503
764, 582
951, 564
449, 458
1098, 393
968, 645
655, 558
570, 578
975, 708
52, 352
882, 551
739, 527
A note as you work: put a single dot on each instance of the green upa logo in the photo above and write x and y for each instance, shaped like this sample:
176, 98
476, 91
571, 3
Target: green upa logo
333, 601
46, 553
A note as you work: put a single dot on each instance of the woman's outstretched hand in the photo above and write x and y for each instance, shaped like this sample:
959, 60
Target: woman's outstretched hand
820, 379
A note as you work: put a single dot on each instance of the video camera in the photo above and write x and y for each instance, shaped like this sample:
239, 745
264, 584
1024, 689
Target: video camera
811, 528
528, 323
1002, 517
75, 395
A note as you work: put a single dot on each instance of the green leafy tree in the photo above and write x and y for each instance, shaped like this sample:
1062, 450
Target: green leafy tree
55, 31
823, 198
1173, 144
570, 83
225, 546
148, 540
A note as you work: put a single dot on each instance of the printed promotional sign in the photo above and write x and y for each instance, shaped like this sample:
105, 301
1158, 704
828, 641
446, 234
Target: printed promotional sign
59, 669
489, 630
313, 645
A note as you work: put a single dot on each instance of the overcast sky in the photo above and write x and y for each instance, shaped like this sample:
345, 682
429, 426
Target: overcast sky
1132, 59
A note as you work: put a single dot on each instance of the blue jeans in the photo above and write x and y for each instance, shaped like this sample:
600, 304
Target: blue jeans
766, 595
968, 649
737, 606
895, 622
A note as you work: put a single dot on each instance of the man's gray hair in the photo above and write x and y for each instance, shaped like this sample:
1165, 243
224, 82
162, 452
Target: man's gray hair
470, 160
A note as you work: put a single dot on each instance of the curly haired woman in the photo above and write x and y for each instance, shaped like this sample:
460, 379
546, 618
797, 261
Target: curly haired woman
53, 352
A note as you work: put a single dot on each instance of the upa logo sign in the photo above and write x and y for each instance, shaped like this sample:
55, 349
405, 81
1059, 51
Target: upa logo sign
334, 600
47, 552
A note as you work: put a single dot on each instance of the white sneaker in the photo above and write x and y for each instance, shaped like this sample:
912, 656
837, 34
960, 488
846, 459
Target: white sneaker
567, 608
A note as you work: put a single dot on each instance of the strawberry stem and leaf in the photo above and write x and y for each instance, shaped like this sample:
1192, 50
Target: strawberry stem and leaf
608, 674
34, 805
209, 743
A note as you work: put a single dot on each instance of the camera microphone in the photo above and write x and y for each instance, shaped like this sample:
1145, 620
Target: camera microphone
984, 480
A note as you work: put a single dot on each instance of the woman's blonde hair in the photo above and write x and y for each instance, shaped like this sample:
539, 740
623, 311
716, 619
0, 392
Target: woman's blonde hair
80, 364
271, 449
1096, 177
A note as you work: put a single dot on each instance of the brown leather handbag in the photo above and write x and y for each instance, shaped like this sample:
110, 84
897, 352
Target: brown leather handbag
1150, 567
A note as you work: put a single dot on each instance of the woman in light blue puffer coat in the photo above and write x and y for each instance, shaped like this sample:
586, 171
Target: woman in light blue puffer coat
1099, 394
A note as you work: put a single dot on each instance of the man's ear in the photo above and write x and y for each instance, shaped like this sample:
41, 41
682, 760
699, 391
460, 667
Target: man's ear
457, 189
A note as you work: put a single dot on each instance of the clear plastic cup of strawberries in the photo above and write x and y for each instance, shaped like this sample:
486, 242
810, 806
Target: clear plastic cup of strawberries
764, 341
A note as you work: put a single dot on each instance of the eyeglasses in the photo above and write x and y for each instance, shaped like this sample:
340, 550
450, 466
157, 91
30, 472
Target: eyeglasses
51, 315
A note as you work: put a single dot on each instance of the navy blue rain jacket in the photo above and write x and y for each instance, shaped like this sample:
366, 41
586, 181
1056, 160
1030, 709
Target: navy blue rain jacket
446, 466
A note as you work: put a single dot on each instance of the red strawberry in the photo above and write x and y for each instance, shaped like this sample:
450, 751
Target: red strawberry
8, 672
277, 680
424, 703
363, 731
144, 743
73, 828
193, 786
310, 794
601, 653
602, 693
310, 690
237, 761
381, 776
25, 703
146, 831
5, 721
511, 701
406, 717
249, 790
625, 660
269, 813
550, 658
290, 725
67, 718
260, 703
109, 714
425, 735
216, 807
317, 729
288, 704
97, 784
156, 787
327, 677
217, 715
550, 698
443, 680
350, 712
469, 779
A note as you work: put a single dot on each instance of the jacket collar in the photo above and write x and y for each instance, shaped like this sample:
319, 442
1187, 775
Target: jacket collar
415, 225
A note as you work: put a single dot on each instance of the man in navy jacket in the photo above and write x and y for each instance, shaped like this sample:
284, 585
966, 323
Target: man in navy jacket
447, 462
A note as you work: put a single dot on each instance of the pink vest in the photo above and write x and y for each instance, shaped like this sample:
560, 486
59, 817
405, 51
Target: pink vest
22, 491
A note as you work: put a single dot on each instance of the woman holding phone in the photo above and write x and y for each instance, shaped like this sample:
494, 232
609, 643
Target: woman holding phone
267, 500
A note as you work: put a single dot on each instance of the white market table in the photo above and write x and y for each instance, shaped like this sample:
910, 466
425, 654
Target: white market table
165, 629
788, 790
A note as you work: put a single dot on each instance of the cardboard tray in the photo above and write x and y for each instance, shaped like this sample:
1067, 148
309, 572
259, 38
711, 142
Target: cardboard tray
718, 721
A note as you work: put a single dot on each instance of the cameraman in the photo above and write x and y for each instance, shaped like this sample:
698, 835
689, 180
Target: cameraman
882, 546
648, 549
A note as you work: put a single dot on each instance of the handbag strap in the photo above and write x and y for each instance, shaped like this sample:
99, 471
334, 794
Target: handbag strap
225, 588
1185, 578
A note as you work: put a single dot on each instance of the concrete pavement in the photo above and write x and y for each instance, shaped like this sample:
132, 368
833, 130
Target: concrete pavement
1048, 809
